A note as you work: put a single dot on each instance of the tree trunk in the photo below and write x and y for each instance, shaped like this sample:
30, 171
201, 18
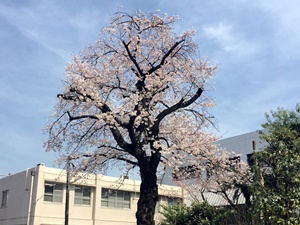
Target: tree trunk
148, 194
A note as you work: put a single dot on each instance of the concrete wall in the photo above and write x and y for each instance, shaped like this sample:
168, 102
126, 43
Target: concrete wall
242, 144
19, 188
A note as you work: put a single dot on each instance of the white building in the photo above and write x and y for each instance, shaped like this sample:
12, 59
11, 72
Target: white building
243, 144
37, 197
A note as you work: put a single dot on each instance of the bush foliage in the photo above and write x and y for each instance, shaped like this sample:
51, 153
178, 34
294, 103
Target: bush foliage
196, 214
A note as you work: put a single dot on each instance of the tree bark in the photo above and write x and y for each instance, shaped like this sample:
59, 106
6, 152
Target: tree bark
148, 193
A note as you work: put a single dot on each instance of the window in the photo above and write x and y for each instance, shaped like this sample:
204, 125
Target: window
82, 195
4, 198
234, 162
250, 159
115, 198
174, 201
166, 201
53, 192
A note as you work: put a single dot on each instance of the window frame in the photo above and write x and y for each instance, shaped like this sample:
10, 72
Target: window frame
56, 196
82, 197
117, 199
173, 201
168, 201
4, 198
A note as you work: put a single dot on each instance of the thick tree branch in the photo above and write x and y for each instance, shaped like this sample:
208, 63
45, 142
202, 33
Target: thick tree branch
140, 72
104, 109
193, 99
103, 155
162, 62
71, 118
168, 111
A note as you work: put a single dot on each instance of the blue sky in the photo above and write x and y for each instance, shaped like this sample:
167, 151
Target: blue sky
256, 44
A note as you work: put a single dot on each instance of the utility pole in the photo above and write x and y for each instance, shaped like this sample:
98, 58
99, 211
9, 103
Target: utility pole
67, 193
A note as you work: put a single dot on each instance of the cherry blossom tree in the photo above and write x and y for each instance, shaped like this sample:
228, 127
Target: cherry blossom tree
137, 96
220, 177
225, 182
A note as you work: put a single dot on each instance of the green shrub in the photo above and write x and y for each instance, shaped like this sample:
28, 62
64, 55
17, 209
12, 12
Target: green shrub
196, 214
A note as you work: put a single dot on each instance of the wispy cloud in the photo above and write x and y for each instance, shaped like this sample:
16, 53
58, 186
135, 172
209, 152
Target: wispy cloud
284, 20
48, 25
230, 42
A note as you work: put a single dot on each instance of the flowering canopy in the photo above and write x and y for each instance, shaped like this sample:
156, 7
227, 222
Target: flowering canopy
138, 85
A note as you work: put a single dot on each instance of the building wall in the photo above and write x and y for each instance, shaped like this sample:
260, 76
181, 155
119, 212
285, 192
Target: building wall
242, 144
26, 203
19, 192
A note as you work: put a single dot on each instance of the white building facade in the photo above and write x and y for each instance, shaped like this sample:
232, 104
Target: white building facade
37, 196
243, 145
